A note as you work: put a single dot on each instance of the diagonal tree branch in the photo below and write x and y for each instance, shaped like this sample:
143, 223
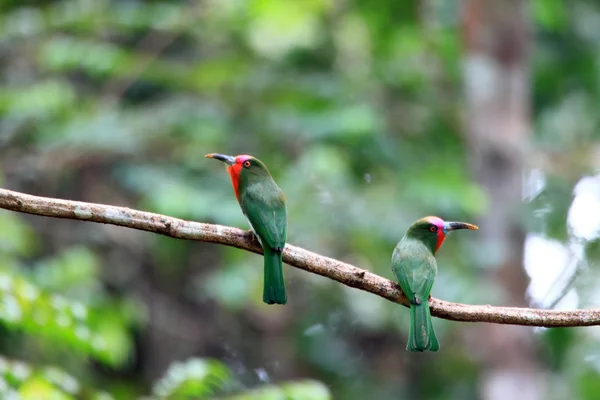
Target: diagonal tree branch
295, 256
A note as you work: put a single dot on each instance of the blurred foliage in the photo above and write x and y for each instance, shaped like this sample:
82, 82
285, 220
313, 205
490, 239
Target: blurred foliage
69, 323
200, 378
308, 390
195, 378
354, 106
22, 381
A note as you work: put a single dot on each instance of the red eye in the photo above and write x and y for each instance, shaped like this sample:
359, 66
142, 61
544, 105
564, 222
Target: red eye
433, 228
247, 164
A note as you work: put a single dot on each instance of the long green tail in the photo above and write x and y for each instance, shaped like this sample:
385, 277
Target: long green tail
274, 286
421, 336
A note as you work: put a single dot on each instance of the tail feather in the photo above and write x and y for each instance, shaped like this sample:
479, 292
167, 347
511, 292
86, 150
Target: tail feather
274, 286
421, 336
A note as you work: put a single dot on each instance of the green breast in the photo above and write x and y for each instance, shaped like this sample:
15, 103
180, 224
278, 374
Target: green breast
415, 267
263, 203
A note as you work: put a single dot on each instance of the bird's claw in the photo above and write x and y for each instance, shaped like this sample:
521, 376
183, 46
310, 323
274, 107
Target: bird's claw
253, 237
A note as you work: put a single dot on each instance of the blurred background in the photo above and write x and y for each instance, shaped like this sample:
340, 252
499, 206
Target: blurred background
370, 115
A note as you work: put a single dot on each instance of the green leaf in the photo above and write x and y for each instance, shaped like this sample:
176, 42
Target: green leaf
28, 381
64, 321
304, 390
195, 378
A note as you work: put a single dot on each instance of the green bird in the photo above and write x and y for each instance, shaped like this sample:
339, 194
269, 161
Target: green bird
263, 205
414, 265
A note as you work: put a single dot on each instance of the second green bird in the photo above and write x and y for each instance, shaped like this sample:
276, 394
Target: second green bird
414, 265
263, 205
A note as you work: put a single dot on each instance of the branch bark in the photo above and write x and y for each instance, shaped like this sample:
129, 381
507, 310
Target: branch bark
339, 271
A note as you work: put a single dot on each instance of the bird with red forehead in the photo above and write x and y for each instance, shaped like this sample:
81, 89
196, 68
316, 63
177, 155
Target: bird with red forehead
415, 267
263, 204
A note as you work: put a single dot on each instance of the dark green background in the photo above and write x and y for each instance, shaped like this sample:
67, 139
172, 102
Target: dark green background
357, 107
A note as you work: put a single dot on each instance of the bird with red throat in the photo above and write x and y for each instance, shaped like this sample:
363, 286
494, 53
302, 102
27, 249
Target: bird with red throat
263, 204
415, 267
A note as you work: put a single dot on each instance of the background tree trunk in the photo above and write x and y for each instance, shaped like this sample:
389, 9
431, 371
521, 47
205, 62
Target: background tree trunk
497, 41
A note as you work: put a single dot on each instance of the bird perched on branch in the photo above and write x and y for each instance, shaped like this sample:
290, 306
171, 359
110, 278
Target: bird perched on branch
415, 267
263, 205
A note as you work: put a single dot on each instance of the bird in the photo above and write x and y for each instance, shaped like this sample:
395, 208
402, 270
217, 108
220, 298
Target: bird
263, 204
415, 267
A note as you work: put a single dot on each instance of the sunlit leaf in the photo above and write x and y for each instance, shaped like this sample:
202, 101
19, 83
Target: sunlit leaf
33, 382
195, 378
64, 321
304, 390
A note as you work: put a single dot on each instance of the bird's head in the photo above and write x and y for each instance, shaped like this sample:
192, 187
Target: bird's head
243, 168
433, 231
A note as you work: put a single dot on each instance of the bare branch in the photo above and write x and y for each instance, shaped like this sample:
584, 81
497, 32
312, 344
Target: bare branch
328, 267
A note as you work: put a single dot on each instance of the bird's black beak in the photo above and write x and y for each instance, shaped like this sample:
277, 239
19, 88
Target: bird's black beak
222, 157
453, 226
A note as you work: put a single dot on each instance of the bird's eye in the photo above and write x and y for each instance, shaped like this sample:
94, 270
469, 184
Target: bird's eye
433, 228
247, 164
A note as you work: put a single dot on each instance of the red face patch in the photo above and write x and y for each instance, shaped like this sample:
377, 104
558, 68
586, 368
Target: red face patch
235, 170
441, 236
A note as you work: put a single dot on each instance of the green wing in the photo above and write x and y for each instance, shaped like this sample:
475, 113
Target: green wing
415, 268
267, 215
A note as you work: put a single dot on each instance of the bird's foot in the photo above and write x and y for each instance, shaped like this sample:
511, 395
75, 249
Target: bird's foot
253, 237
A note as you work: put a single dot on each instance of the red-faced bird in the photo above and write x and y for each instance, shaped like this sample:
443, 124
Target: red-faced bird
414, 265
263, 205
